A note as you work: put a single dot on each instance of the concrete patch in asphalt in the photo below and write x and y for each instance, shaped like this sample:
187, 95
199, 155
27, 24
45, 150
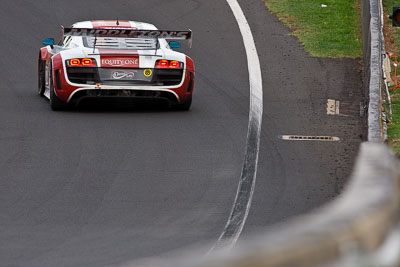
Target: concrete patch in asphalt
332, 107
344, 108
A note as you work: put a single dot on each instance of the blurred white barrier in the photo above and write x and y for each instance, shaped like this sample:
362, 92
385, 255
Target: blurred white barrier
359, 228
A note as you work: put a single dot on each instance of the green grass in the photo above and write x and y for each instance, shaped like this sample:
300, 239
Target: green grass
394, 126
334, 31
392, 40
394, 32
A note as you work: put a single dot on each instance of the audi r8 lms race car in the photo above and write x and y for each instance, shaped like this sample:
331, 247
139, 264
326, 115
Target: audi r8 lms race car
116, 59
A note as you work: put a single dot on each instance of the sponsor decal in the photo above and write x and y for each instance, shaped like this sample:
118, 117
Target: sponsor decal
118, 75
147, 72
125, 62
127, 33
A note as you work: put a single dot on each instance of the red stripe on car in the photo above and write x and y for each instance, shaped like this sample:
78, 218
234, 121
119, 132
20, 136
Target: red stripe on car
102, 24
103, 51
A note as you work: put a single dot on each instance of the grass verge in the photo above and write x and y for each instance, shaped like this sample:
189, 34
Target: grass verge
394, 126
392, 34
331, 31
392, 44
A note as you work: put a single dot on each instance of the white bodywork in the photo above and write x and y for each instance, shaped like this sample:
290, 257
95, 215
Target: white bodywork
73, 47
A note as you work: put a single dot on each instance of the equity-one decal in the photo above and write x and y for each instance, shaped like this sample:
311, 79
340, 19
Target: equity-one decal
131, 62
119, 62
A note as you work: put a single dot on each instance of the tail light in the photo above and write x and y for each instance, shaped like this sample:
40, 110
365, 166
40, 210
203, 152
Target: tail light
81, 62
168, 64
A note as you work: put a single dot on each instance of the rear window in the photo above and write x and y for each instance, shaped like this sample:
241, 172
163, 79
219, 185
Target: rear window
121, 43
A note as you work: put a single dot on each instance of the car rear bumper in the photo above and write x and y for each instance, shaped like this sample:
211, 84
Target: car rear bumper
68, 91
106, 92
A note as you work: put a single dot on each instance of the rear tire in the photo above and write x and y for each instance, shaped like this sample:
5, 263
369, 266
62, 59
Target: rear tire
41, 77
184, 106
55, 102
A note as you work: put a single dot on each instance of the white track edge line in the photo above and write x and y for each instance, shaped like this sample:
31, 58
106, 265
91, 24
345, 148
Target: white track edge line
236, 221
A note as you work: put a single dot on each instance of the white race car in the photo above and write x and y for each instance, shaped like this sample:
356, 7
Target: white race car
115, 59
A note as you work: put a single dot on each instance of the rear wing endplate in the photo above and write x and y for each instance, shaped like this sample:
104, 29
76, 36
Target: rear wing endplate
129, 33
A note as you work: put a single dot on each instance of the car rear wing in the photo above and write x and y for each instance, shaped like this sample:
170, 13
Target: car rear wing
129, 33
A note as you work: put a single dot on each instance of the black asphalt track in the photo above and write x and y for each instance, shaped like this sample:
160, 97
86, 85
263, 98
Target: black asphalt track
296, 176
101, 186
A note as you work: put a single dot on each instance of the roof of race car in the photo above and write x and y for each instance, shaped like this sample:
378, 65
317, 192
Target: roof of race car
123, 24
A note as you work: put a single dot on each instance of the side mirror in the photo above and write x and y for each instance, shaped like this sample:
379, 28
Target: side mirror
173, 44
48, 41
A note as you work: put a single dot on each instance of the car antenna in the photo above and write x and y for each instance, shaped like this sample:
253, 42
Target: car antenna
94, 43
117, 22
